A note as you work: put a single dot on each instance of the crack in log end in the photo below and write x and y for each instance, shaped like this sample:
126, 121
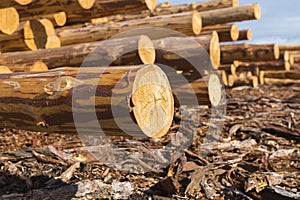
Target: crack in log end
61, 85
153, 103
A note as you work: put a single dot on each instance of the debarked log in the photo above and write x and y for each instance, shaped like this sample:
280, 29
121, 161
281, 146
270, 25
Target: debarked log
69, 99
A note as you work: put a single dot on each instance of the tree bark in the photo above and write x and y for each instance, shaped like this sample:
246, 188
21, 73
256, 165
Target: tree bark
186, 53
52, 101
233, 14
123, 51
249, 52
188, 23
226, 32
265, 66
245, 35
289, 47
31, 35
281, 74
88, 8
76, 17
57, 19
9, 20
14, 3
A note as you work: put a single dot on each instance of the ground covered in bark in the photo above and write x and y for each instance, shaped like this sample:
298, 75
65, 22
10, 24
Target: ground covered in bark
256, 155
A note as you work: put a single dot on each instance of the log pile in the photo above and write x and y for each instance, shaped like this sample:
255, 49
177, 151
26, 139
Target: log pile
55, 36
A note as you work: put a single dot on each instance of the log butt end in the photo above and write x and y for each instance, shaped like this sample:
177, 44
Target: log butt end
151, 4
23, 2
276, 51
234, 32
215, 51
5, 70
196, 22
256, 11
60, 18
146, 50
86, 4
9, 20
214, 90
153, 103
38, 67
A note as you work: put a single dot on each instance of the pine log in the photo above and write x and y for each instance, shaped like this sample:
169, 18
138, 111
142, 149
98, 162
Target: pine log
296, 58
188, 23
228, 68
249, 52
57, 19
233, 14
226, 32
274, 81
9, 20
294, 74
88, 8
31, 35
289, 47
76, 17
56, 100
123, 51
194, 89
265, 66
224, 76
14, 3
187, 54
284, 55
245, 35
244, 80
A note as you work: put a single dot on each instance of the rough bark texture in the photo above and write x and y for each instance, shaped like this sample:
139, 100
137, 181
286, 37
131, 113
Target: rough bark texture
289, 47
9, 20
234, 14
88, 8
14, 3
283, 75
245, 35
132, 50
249, 52
75, 17
46, 101
187, 23
226, 32
201, 53
266, 66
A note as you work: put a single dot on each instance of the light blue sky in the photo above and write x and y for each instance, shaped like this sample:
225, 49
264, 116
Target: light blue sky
279, 23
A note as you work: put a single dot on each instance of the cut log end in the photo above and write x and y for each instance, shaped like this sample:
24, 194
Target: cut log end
234, 32
146, 50
86, 4
196, 22
257, 11
292, 59
38, 67
248, 34
214, 90
53, 42
276, 51
23, 2
5, 70
235, 3
60, 18
214, 50
287, 66
9, 20
151, 4
153, 103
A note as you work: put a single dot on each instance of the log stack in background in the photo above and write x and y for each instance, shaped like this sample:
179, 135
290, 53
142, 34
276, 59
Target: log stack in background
46, 40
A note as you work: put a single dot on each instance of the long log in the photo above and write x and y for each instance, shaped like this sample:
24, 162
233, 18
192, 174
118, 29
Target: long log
289, 47
226, 32
265, 66
249, 52
88, 8
9, 20
77, 17
57, 19
31, 35
294, 74
123, 51
55, 100
233, 14
275, 81
188, 23
202, 52
14, 3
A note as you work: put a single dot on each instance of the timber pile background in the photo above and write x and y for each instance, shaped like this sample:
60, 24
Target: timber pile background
42, 45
